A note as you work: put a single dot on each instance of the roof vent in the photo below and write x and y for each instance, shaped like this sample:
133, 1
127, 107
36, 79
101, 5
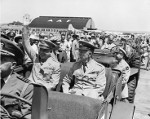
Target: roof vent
50, 20
59, 20
68, 20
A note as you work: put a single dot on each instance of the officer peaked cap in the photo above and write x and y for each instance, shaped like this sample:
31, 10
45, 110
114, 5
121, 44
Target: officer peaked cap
8, 48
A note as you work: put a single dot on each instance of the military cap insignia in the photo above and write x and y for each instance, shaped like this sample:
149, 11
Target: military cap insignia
127, 68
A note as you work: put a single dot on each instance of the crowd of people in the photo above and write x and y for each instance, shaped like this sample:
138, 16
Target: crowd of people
68, 43
45, 56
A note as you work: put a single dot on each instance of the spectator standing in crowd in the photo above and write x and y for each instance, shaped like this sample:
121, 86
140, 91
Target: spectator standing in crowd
46, 68
68, 45
105, 45
75, 47
63, 54
82, 37
34, 39
148, 56
111, 42
86, 36
93, 41
99, 41
125, 69
87, 75
144, 47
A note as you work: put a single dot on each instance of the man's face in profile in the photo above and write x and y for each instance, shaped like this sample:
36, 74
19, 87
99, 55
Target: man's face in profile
85, 54
6, 66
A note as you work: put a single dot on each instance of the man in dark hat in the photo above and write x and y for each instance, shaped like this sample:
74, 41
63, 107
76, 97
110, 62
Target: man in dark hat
18, 41
11, 35
87, 75
11, 56
46, 68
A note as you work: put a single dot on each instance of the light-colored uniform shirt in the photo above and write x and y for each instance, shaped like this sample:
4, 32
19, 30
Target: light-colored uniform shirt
47, 73
125, 69
90, 83
35, 48
68, 45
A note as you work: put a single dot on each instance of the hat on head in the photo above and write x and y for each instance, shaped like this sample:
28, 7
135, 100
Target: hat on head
84, 45
11, 34
8, 48
47, 44
17, 38
55, 41
123, 51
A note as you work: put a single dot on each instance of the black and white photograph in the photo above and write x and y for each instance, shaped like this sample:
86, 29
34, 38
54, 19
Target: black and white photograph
75, 59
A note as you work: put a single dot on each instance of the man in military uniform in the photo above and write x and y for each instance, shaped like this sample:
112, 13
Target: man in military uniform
125, 69
86, 77
46, 67
11, 82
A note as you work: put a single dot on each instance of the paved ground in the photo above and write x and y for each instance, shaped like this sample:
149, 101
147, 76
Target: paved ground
142, 98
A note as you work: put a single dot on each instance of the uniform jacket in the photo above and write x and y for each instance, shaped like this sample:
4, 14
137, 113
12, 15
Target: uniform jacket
47, 73
125, 69
92, 80
17, 87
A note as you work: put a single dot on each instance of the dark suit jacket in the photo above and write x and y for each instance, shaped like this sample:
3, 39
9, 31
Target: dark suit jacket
17, 87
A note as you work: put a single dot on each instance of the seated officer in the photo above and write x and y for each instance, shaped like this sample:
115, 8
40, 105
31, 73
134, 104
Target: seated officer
123, 66
86, 77
11, 56
46, 67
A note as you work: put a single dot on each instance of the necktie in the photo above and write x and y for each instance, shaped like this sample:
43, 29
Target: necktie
2, 83
84, 66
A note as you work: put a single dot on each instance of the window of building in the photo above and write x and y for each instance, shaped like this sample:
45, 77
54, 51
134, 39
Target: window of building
37, 29
43, 30
47, 29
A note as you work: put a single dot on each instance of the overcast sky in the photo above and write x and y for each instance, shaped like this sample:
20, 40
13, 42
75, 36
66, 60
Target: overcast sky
120, 15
